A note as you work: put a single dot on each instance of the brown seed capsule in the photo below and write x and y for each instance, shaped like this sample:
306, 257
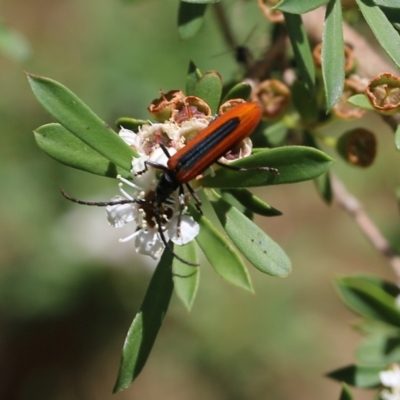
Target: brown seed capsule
161, 108
274, 98
190, 107
358, 147
344, 110
274, 16
383, 92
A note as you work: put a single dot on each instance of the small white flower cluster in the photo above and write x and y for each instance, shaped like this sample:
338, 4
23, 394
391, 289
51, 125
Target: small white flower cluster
391, 380
176, 226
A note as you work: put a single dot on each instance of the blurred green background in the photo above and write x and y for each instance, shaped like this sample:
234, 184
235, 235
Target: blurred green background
69, 290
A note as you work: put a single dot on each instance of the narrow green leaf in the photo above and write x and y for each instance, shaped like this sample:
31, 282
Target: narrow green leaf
275, 134
146, 324
361, 101
186, 278
209, 88
76, 117
13, 44
66, 148
132, 124
232, 200
252, 242
379, 349
383, 30
333, 53
295, 164
305, 104
371, 327
322, 182
393, 15
241, 90
397, 138
361, 376
220, 253
346, 393
192, 77
301, 48
190, 19
324, 188
369, 299
201, 1
299, 7
387, 3
252, 202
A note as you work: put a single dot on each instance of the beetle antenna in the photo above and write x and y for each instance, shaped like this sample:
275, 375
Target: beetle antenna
101, 203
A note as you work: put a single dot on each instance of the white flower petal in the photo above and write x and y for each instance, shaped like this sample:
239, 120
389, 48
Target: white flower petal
158, 156
121, 214
189, 229
388, 395
129, 137
391, 378
149, 243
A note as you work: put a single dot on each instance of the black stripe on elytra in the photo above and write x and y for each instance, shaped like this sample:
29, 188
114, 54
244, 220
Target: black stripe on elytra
191, 157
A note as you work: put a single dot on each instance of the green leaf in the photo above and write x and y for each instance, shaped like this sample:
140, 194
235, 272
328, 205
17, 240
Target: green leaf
383, 30
322, 182
345, 393
305, 103
387, 3
397, 138
333, 53
301, 48
232, 200
379, 349
209, 88
371, 299
192, 77
241, 90
295, 164
251, 241
361, 101
220, 253
76, 117
13, 44
375, 327
324, 188
275, 134
132, 124
146, 324
361, 376
186, 278
252, 202
393, 15
190, 19
299, 7
66, 148
201, 1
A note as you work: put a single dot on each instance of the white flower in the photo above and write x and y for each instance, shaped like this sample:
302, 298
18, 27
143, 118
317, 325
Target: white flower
391, 380
147, 219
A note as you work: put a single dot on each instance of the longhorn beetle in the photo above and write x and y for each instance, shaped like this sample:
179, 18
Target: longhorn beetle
213, 142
